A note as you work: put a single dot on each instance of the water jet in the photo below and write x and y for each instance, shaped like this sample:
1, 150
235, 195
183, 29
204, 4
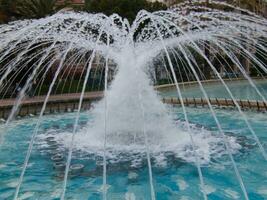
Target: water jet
128, 126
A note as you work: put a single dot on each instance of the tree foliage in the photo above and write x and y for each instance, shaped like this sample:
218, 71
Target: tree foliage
35, 8
6, 10
125, 8
251, 5
21, 9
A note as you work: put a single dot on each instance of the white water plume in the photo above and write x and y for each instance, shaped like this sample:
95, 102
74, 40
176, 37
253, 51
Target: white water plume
132, 118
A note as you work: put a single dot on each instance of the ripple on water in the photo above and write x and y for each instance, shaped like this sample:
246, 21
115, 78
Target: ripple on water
232, 194
129, 196
56, 193
263, 191
2, 166
132, 175
26, 195
12, 183
182, 184
136, 186
184, 198
209, 189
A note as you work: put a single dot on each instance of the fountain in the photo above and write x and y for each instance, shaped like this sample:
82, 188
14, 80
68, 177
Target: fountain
131, 129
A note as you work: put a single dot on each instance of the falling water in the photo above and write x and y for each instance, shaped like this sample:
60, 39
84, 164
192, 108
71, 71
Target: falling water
134, 118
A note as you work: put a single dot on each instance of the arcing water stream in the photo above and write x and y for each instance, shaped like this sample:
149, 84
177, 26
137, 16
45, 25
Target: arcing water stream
131, 118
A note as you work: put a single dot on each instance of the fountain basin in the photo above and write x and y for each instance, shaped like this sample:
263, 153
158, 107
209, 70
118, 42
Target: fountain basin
170, 173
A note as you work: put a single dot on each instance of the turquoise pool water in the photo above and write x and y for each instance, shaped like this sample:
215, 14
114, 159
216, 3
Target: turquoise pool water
239, 89
175, 180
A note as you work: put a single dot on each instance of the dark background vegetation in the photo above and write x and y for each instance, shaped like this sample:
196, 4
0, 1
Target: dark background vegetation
20, 9
23, 9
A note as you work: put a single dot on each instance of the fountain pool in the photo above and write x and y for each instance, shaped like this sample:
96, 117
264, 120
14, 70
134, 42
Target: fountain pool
174, 177
240, 89
130, 145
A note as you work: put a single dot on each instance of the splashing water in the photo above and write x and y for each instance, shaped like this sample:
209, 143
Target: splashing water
131, 118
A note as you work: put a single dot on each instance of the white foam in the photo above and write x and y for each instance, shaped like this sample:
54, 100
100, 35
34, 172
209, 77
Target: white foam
182, 184
26, 195
12, 183
132, 175
30, 164
104, 187
232, 194
160, 160
2, 166
129, 196
126, 122
175, 141
209, 189
263, 190
219, 167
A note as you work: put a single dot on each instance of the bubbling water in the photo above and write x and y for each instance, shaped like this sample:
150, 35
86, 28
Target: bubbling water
125, 122
131, 117
130, 146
